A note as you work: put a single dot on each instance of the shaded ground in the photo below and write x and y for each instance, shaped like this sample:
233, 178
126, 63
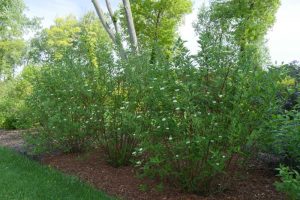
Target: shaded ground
123, 182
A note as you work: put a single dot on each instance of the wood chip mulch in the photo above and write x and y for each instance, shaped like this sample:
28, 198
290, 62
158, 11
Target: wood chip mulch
124, 183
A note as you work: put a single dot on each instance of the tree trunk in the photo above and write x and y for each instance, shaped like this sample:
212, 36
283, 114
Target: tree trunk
115, 37
130, 25
112, 16
103, 21
118, 35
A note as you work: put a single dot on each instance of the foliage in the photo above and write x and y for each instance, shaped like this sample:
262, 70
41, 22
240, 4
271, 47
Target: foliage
283, 128
84, 41
290, 184
13, 112
250, 20
156, 22
285, 139
293, 69
22, 178
86, 107
198, 120
122, 127
247, 21
69, 93
13, 25
67, 109
189, 120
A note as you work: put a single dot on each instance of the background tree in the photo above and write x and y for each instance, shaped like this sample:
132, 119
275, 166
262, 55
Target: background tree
156, 22
83, 41
13, 24
248, 21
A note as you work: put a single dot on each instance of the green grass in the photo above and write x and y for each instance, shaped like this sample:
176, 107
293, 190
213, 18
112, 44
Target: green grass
23, 179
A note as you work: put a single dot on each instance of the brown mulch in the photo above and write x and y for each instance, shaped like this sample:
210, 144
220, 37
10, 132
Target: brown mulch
124, 183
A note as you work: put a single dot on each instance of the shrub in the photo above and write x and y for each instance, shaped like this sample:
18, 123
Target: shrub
282, 132
198, 121
123, 109
119, 139
290, 183
190, 120
68, 110
285, 140
69, 94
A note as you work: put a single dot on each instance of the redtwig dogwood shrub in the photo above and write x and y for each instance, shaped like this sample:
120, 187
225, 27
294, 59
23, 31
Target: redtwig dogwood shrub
197, 121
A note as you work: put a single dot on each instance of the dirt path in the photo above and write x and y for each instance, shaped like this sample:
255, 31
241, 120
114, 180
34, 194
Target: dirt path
12, 139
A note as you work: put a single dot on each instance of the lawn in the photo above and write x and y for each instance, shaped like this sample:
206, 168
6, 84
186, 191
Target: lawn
22, 179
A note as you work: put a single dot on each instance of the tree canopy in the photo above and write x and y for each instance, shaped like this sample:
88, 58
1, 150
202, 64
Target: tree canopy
156, 22
84, 41
242, 24
13, 24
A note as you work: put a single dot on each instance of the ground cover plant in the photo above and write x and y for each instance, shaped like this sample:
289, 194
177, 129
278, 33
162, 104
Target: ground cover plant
25, 179
290, 184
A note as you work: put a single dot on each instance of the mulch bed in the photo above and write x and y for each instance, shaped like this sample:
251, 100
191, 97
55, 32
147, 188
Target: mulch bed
124, 183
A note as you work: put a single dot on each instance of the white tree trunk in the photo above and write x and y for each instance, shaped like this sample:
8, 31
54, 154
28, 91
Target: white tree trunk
130, 25
115, 36
112, 16
103, 21
117, 31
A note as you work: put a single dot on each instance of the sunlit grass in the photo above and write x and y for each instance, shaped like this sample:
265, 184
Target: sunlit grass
22, 179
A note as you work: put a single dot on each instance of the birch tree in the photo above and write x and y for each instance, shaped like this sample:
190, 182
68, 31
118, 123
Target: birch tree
130, 24
114, 32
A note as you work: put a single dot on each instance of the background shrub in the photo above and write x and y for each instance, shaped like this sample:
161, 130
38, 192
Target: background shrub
282, 138
13, 92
